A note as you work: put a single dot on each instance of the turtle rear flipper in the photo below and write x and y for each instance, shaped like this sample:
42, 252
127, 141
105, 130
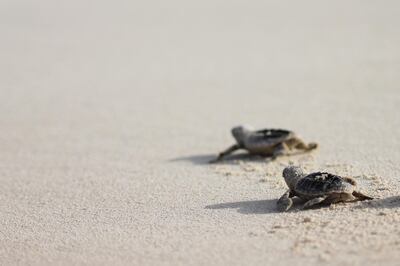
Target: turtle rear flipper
361, 196
301, 145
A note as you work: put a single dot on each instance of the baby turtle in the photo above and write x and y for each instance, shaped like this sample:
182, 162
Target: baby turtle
266, 142
319, 187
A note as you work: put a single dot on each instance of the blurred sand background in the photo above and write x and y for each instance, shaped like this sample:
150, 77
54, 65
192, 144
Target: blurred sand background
109, 111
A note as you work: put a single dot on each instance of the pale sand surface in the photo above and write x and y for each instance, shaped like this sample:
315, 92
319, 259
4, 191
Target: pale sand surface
110, 110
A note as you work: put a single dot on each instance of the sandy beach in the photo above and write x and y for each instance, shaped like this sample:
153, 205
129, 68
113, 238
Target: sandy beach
110, 111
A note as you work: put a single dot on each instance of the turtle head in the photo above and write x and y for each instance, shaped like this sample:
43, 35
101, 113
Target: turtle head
240, 133
292, 174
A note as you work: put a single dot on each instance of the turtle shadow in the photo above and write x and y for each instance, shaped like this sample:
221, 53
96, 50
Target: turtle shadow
203, 159
385, 203
247, 207
208, 159
252, 206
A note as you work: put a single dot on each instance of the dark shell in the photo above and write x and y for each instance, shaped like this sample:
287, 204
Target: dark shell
269, 137
322, 183
273, 133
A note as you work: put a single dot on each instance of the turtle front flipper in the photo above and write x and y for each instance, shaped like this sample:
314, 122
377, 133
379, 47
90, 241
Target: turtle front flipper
280, 150
361, 196
226, 153
313, 202
285, 202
